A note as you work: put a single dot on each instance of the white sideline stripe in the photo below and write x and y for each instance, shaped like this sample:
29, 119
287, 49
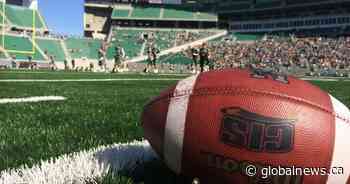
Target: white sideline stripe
87, 80
90, 74
341, 144
175, 124
24, 72
31, 99
78, 168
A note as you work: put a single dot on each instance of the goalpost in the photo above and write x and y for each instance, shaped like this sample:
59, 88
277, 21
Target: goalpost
3, 33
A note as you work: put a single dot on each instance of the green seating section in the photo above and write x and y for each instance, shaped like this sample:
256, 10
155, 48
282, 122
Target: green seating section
80, 47
120, 13
165, 39
23, 17
52, 47
170, 12
173, 13
207, 16
21, 44
129, 40
145, 11
248, 36
178, 59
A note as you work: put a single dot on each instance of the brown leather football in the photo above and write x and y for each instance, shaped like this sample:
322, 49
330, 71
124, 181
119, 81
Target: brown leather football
216, 125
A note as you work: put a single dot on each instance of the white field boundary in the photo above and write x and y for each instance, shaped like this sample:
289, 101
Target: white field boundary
326, 79
78, 168
89, 80
136, 79
31, 99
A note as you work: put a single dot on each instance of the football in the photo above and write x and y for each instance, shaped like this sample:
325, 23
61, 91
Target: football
239, 126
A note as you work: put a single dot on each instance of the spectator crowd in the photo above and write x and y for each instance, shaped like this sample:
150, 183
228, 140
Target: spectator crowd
317, 56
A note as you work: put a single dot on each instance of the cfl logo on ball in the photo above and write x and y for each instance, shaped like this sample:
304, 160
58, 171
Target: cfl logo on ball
255, 132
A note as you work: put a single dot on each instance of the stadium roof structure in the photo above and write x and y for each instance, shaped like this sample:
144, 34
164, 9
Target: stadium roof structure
162, 13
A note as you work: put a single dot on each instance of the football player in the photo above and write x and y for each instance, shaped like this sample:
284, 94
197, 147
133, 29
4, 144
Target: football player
152, 53
102, 57
203, 56
52, 63
118, 58
195, 58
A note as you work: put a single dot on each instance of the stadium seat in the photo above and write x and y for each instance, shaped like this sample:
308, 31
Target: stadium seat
23, 17
146, 12
83, 48
177, 13
248, 37
53, 47
129, 40
117, 13
177, 59
206, 16
17, 46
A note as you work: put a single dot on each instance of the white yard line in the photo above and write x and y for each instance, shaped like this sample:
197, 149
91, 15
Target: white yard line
22, 72
89, 73
140, 79
88, 80
315, 79
31, 99
83, 166
326, 79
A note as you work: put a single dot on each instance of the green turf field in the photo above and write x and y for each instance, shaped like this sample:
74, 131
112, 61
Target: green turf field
94, 113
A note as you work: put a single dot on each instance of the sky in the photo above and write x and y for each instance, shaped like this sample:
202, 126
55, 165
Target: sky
63, 16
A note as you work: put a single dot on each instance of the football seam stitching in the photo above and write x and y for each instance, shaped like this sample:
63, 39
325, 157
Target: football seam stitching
244, 91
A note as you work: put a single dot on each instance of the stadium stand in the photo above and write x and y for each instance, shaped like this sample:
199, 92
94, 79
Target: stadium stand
247, 36
83, 48
173, 58
145, 11
314, 56
177, 59
204, 15
171, 12
20, 43
120, 13
163, 12
191, 36
129, 39
164, 39
52, 47
23, 17
136, 41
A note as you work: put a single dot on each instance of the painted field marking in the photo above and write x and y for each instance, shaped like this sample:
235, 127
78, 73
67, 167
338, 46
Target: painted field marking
31, 99
82, 167
141, 79
88, 80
